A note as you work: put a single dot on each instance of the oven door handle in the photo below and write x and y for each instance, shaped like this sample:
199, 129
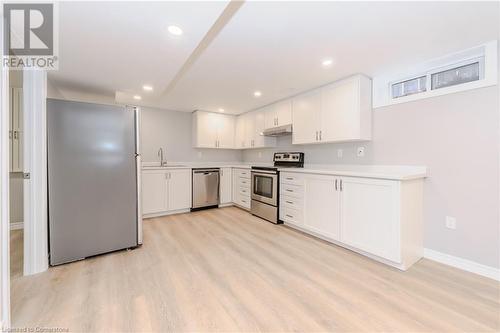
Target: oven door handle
261, 172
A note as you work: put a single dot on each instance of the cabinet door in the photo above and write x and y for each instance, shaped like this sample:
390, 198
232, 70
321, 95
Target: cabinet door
225, 131
249, 129
283, 112
225, 185
261, 141
270, 116
306, 109
340, 114
154, 191
17, 133
240, 134
370, 216
179, 189
322, 205
205, 126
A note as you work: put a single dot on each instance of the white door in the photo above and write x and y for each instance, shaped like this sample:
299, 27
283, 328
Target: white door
370, 215
284, 112
179, 189
225, 185
16, 151
205, 129
225, 131
239, 135
154, 191
270, 116
249, 129
306, 109
340, 115
322, 205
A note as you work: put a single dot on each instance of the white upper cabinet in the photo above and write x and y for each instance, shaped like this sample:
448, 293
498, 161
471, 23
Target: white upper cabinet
338, 112
306, 117
213, 130
278, 114
249, 127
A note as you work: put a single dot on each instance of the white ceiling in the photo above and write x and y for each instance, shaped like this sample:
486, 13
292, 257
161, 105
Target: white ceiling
274, 47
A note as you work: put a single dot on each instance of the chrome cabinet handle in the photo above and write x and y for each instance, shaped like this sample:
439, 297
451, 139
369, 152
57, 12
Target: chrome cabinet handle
320, 136
316, 135
289, 202
288, 190
289, 178
335, 184
341, 187
288, 215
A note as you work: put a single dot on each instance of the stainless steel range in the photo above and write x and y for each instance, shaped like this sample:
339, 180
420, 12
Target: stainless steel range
265, 185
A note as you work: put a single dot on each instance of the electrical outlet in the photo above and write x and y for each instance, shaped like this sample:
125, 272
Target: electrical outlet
340, 153
451, 222
360, 152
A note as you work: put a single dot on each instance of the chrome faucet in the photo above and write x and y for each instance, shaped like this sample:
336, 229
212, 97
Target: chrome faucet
160, 155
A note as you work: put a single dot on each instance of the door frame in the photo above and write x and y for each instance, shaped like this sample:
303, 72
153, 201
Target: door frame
4, 190
35, 164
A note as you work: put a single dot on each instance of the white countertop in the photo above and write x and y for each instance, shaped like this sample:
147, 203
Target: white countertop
394, 172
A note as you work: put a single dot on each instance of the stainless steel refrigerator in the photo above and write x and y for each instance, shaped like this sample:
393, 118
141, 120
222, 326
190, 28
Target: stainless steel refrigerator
93, 182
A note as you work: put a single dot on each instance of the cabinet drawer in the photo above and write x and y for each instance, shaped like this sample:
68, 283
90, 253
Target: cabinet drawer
245, 191
291, 215
292, 190
244, 182
243, 201
291, 178
291, 202
242, 173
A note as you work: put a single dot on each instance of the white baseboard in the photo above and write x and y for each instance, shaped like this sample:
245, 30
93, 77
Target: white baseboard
464, 264
16, 225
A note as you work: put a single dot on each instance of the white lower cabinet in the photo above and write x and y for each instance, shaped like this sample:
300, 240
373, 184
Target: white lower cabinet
370, 216
154, 196
225, 185
164, 191
241, 187
322, 205
378, 218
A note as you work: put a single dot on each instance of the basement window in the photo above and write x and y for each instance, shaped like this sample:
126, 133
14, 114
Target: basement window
454, 76
409, 87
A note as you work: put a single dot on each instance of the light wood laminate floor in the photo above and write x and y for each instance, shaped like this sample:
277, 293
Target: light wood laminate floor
225, 270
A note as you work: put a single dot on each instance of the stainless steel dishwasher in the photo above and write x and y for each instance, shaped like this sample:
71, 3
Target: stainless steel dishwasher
205, 188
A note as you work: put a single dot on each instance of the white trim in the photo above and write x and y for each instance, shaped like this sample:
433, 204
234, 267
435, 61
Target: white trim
382, 95
35, 162
4, 189
464, 264
16, 225
170, 212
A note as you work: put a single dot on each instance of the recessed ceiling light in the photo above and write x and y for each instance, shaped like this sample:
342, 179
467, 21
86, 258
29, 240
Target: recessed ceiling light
147, 88
327, 62
137, 97
222, 110
174, 30
257, 93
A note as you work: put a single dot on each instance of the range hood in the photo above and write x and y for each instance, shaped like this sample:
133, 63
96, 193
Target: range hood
278, 131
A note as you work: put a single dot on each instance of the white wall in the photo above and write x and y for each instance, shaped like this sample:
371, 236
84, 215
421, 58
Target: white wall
456, 136
172, 130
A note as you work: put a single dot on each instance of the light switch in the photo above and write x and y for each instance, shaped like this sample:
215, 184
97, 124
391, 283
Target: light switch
340, 153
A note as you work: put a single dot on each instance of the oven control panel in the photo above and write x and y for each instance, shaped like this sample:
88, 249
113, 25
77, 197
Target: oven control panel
283, 159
